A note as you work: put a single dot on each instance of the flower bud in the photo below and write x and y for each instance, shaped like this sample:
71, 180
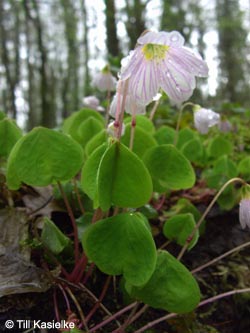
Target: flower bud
204, 119
245, 213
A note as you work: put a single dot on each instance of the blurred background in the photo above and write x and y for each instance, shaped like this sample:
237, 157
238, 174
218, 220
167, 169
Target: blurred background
50, 49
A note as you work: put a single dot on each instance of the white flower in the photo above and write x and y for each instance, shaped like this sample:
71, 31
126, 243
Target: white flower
112, 129
93, 102
161, 61
204, 119
131, 106
245, 213
104, 80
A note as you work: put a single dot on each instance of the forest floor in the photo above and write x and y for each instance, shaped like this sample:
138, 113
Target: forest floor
228, 315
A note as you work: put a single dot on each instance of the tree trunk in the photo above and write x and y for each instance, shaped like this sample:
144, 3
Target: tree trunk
11, 78
87, 88
48, 114
112, 40
232, 51
71, 101
135, 24
33, 117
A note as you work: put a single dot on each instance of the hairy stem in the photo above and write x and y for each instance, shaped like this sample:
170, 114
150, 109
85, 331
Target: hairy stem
211, 262
153, 111
205, 302
113, 317
132, 131
190, 237
79, 309
108, 107
103, 293
179, 120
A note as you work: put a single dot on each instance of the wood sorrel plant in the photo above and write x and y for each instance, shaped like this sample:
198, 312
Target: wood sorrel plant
122, 174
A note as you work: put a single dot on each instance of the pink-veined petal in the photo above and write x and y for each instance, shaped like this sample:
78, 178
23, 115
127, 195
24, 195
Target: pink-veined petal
113, 106
190, 61
144, 83
132, 106
177, 83
131, 63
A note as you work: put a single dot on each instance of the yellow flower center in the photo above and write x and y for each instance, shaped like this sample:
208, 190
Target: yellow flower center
155, 52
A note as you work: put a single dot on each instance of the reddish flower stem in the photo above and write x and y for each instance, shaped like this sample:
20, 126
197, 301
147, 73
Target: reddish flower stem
56, 306
78, 271
79, 309
108, 107
113, 317
97, 305
65, 297
132, 130
89, 273
161, 202
78, 196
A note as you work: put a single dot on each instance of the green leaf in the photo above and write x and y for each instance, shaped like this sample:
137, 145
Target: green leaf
244, 168
223, 170
229, 198
143, 122
149, 211
41, 157
143, 141
122, 244
96, 141
169, 169
116, 176
185, 135
193, 150
220, 146
184, 206
171, 287
88, 129
165, 135
123, 180
53, 238
83, 222
10, 133
179, 228
73, 123
90, 169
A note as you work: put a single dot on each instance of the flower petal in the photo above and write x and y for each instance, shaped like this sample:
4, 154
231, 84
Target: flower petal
176, 82
152, 37
204, 119
244, 215
133, 107
190, 61
176, 39
144, 83
132, 61
104, 81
